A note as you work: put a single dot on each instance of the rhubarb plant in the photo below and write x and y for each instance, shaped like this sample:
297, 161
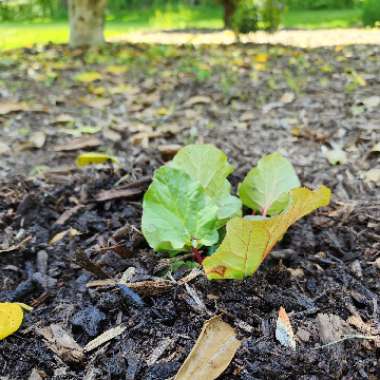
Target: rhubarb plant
189, 205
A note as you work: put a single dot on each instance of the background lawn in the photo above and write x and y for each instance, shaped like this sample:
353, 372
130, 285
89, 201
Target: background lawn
24, 34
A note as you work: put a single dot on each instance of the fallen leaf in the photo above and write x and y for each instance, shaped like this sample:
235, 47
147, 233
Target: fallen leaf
212, 353
116, 69
331, 327
194, 100
335, 156
93, 158
284, 330
8, 106
169, 151
71, 232
37, 139
372, 175
261, 58
4, 148
79, 143
62, 343
88, 76
63, 119
11, 316
376, 148
95, 102
287, 98
372, 102
248, 242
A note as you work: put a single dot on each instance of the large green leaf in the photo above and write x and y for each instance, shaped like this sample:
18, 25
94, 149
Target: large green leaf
209, 165
177, 213
266, 187
248, 242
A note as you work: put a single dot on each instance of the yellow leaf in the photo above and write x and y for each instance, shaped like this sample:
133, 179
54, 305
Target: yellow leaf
88, 76
11, 316
261, 58
71, 232
93, 158
248, 242
116, 69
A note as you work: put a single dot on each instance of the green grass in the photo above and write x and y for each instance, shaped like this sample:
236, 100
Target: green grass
24, 34
323, 19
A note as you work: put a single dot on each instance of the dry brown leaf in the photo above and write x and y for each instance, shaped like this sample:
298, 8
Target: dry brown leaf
79, 143
4, 148
61, 343
212, 353
94, 102
8, 106
284, 330
194, 100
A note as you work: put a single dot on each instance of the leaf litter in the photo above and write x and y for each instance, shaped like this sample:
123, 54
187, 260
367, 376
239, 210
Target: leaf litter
153, 92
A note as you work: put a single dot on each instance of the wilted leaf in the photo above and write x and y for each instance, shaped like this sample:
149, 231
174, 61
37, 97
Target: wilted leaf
266, 187
372, 175
8, 106
212, 353
284, 330
93, 158
79, 143
95, 102
11, 316
88, 77
4, 148
199, 99
116, 69
376, 148
240, 253
335, 156
372, 102
212, 176
261, 58
177, 212
37, 139
248, 242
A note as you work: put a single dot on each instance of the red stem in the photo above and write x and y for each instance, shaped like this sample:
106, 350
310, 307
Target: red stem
197, 255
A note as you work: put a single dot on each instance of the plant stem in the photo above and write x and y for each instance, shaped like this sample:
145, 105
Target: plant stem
197, 255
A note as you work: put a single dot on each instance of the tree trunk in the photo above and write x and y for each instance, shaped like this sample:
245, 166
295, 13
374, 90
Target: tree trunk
86, 22
229, 10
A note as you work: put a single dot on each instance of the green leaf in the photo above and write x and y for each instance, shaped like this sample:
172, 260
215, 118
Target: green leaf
248, 242
177, 213
209, 165
266, 187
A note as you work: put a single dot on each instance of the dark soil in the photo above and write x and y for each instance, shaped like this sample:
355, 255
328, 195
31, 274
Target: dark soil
325, 264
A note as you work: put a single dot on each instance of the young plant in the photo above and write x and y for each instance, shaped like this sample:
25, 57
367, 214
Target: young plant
190, 201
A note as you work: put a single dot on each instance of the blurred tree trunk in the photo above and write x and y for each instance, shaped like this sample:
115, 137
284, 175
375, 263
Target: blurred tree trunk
86, 22
229, 10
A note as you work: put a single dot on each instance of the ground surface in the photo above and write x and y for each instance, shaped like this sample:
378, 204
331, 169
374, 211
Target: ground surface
131, 101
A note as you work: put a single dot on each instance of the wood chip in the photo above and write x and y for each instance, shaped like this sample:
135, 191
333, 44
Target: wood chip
212, 353
109, 195
67, 215
79, 143
104, 337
